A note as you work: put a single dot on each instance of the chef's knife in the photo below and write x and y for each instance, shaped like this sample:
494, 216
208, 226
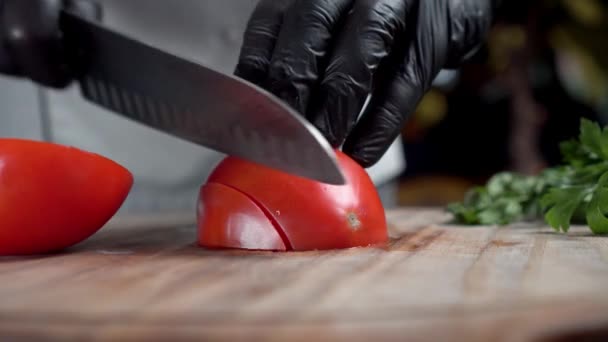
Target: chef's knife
194, 102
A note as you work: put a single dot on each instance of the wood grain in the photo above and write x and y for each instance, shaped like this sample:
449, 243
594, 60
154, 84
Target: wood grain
145, 279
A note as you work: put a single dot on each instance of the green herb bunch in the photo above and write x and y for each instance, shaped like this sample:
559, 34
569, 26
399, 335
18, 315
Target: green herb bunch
571, 193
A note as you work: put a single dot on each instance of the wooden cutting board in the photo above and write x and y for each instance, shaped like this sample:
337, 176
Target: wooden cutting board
141, 279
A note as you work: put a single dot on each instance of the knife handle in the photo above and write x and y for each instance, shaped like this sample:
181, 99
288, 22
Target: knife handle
31, 44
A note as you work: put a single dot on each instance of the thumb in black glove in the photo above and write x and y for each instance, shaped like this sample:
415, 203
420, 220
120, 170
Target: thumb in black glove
324, 57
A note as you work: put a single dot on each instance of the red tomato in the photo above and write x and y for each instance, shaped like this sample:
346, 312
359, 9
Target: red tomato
54, 196
249, 206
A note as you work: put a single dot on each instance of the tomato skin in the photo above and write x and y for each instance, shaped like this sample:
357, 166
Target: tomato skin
54, 196
309, 215
250, 228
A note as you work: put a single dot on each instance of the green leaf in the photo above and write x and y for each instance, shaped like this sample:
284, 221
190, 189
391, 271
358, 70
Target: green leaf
604, 143
507, 197
500, 212
490, 217
574, 154
593, 139
499, 183
598, 207
513, 209
560, 204
463, 213
477, 197
590, 137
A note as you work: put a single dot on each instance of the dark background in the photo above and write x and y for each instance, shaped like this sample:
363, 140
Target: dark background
541, 70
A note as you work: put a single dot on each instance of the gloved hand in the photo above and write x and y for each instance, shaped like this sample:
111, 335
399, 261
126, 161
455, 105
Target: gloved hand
324, 57
30, 39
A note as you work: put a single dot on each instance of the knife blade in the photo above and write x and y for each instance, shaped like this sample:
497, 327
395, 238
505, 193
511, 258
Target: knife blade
194, 102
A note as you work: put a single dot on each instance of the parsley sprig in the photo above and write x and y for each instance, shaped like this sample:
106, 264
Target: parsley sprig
571, 193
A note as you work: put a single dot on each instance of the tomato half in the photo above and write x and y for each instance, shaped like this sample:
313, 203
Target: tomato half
249, 206
54, 196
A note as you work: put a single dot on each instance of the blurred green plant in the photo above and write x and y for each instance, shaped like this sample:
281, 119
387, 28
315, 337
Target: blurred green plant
574, 192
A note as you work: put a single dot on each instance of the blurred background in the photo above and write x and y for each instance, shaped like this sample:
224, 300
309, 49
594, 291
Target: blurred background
543, 68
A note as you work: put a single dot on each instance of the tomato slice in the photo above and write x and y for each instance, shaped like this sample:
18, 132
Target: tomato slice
54, 196
242, 224
309, 214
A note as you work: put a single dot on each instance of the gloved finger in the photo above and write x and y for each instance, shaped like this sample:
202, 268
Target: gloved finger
89, 9
259, 40
445, 32
470, 21
302, 47
8, 65
365, 41
381, 123
391, 104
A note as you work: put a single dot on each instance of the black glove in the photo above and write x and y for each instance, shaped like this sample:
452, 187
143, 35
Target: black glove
324, 57
31, 42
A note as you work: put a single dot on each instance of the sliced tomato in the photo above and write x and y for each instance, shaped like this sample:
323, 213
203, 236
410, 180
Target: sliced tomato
249, 228
54, 196
306, 214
